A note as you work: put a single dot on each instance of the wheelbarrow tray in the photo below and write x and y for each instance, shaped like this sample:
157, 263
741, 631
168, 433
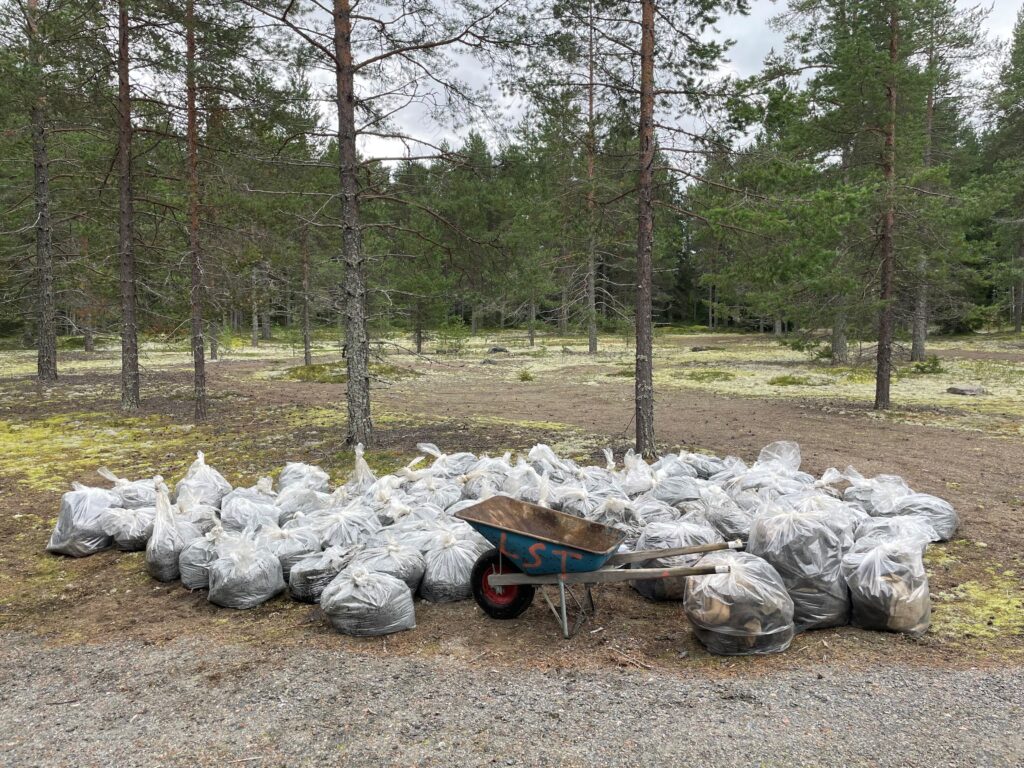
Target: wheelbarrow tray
541, 541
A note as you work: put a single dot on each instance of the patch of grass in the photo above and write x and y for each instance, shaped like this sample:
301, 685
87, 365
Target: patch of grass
790, 380
708, 376
929, 366
983, 609
628, 373
852, 373
337, 373
525, 375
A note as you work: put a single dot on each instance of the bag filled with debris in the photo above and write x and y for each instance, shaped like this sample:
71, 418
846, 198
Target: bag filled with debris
448, 568
395, 559
247, 575
312, 573
670, 535
132, 493
206, 484
79, 530
129, 528
889, 587
807, 553
289, 544
367, 603
195, 559
910, 528
939, 512
171, 534
745, 611
298, 475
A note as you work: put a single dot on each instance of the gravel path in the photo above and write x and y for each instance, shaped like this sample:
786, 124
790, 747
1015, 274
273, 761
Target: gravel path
190, 703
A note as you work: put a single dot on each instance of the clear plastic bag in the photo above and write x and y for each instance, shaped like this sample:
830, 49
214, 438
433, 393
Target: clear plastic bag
670, 535
435, 490
869, 492
676, 489
203, 516
484, 479
311, 574
620, 514
289, 544
245, 576
703, 464
361, 478
909, 528
239, 512
170, 535
719, 510
446, 577
307, 476
129, 528
889, 587
807, 553
132, 493
745, 611
351, 524
395, 559
79, 530
195, 559
366, 603
205, 483
938, 512
297, 498
447, 465
636, 477
546, 462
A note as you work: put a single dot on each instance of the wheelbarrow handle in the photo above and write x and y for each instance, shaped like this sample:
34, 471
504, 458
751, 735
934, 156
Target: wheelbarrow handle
604, 576
651, 554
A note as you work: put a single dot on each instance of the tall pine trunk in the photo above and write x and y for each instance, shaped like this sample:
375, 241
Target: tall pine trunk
46, 311
130, 397
883, 369
919, 322
1018, 295
591, 195
214, 346
357, 341
645, 444
254, 300
195, 256
840, 348
307, 349
531, 325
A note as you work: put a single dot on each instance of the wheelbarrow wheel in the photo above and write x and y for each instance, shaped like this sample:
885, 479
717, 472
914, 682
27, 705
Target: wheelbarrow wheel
505, 602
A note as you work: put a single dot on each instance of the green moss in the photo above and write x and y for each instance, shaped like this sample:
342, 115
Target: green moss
981, 609
337, 373
628, 373
790, 380
707, 376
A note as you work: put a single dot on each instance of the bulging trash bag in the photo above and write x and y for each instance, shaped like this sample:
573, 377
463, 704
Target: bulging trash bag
620, 514
367, 603
670, 535
79, 531
868, 492
703, 464
395, 559
195, 559
170, 535
447, 465
240, 511
938, 512
262, 493
205, 483
312, 573
670, 465
783, 454
843, 517
351, 524
889, 587
807, 554
546, 462
650, 510
637, 476
362, 478
129, 528
394, 509
446, 577
203, 516
675, 489
484, 479
435, 490
909, 528
718, 509
583, 501
247, 575
298, 475
289, 544
132, 493
742, 612
297, 498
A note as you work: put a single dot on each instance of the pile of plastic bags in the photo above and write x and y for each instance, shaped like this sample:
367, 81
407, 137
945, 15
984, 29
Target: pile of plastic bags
821, 552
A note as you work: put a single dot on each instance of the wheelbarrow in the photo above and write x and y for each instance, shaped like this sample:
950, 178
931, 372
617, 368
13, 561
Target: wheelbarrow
538, 547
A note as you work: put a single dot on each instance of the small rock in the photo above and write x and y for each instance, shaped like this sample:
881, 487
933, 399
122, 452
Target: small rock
497, 350
967, 390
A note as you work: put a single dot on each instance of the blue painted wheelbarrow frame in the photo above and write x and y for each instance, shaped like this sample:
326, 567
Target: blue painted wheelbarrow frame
545, 547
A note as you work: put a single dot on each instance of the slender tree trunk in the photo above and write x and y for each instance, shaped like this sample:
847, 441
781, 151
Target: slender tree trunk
45, 310
266, 332
255, 309
357, 340
130, 397
840, 348
777, 330
195, 255
214, 346
919, 323
645, 443
474, 320
88, 337
418, 335
591, 194
883, 370
1018, 295
307, 347
531, 325
563, 310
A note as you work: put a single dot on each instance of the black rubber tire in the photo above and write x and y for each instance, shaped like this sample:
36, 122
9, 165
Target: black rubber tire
506, 610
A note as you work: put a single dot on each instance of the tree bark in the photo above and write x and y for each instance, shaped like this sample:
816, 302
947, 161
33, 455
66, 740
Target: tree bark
130, 397
919, 323
46, 311
214, 346
645, 443
88, 337
591, 194
563, 310
357, 341
840, 348
266, 332
883, 369
531, 326
255, 309
307, 348
195, 254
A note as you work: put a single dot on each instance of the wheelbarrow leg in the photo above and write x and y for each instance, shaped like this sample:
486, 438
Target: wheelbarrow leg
559, 612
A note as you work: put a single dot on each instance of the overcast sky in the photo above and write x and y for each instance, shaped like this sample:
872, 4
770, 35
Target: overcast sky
753, 37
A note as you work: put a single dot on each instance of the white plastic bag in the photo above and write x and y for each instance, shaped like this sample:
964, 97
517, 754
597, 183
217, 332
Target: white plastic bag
132, 493
670, 535
446, 577
311, 574
938, 512
170, 535
205, 483
395, 559
745, 611
298, 475
910, 528
246, 576
365, 603
79, 531
351, 524
241, 510
129, 528
889, 587
289, 544
362, 478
